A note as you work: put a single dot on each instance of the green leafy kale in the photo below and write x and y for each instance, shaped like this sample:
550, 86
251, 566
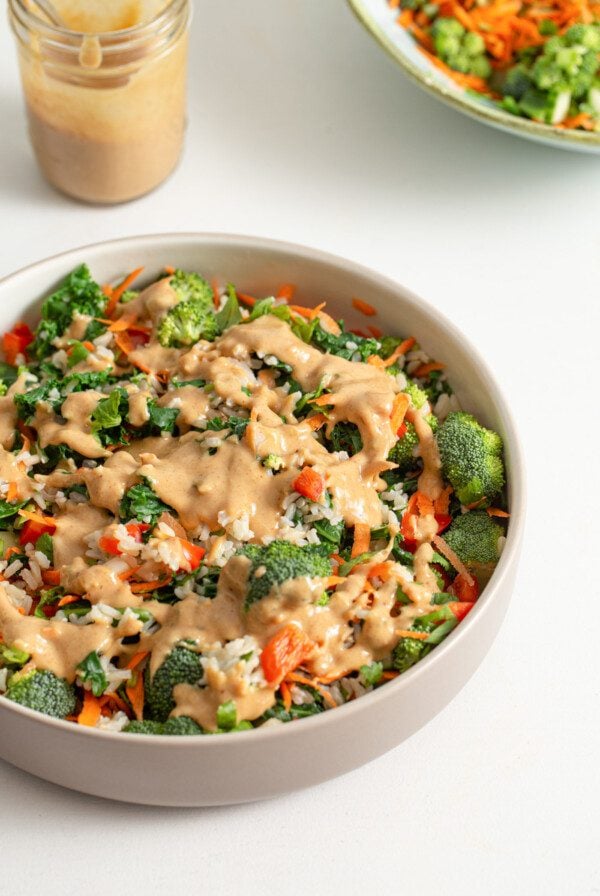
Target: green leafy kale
235, 425
345, 345
108, 417
346, 437
141, 503
79, 293
90, 670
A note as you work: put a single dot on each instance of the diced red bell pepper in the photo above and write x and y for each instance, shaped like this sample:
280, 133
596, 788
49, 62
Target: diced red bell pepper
110, 545
33, 530
464, 590
461, 608
16, 341
309, 484
284, 653
443, 520
402, 430
193, 553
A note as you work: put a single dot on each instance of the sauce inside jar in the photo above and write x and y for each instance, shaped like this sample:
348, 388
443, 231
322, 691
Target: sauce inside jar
106, 99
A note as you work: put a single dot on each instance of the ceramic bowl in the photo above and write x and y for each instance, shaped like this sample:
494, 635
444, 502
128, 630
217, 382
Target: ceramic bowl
380, 20
232, 768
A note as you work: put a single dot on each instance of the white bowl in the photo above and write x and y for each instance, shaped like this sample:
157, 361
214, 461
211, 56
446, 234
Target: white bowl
233, 768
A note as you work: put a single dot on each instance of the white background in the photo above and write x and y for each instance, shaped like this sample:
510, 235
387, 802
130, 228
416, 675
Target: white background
302, 129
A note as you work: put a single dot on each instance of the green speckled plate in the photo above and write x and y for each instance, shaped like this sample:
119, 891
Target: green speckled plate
380, 20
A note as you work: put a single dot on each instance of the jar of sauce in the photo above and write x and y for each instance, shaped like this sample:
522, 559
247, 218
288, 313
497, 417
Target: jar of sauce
105, 94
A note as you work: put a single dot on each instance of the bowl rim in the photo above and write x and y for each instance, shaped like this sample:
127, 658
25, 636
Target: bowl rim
499, 118
517, 483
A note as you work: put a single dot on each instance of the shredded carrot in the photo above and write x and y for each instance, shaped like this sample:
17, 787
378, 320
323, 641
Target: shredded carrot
449, 554
246, 299
475, 504
328, 323
136, 659
326, 398
115, 701
37, 518
389, 674
128, 573
68, 599
425, 504
495, 511
399, 409
316, 421
376, 332
442, 502
91, 711
124, 343
116, 293
135, 693
125, 322
312, 683
286, 291
13, 492
10, 551
332, 581
51, 577
286, 695
471, 82
380, 571
364, 307
402, 349
143, 587
426, 369
169, 269
583, 120
362, 539
409, 633
309, 313
216, 290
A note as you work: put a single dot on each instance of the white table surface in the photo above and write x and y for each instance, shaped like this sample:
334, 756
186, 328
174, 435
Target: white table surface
302, 129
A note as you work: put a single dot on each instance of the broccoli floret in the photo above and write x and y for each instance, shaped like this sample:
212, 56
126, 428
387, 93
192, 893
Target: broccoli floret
471, 458
557, 81
517, 82
182, 666
179, 725
417, 395
281, 561
43, 691
79, 293
193, 317
273, 462
407, 652
474, 538
403, 451
462, 50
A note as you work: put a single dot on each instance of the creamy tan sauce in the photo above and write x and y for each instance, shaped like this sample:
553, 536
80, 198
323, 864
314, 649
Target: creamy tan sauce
213, 480
76, 430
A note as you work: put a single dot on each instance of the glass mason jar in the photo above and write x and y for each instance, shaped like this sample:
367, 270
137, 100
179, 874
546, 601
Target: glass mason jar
106, 110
